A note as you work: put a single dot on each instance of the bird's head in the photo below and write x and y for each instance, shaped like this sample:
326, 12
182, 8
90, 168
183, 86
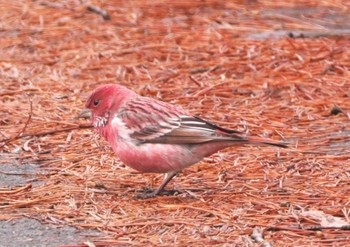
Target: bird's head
104, 101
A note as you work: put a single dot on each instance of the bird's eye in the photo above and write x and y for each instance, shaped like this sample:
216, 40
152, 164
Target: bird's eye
96, 101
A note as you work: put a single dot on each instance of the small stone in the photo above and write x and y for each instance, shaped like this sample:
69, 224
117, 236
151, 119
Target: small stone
16, 150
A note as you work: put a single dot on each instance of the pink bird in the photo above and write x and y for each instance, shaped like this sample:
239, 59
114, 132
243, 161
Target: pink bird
154, 136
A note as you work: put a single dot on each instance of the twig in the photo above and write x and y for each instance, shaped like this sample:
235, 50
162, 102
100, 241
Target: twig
28, 120
20, 134
99, 11
26, 203
288, 229
15, 173
310, 228
49, 132
320, 228
195, 81
28, 186
18, 92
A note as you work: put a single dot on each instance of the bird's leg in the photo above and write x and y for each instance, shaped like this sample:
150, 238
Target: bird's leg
166, 180
160, 189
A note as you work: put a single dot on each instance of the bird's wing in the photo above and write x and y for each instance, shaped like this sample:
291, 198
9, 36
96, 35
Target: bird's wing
193, 130
151, 121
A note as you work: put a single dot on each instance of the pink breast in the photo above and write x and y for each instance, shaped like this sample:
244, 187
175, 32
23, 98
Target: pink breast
159, 158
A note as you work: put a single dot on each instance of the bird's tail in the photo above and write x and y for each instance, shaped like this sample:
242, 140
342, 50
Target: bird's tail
265, 141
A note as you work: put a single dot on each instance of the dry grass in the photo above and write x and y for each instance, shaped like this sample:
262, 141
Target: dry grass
196, 54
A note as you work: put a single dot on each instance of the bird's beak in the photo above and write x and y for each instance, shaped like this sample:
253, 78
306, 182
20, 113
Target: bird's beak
85, 113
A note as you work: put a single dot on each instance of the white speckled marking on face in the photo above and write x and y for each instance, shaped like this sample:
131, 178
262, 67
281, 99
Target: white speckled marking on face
100, 121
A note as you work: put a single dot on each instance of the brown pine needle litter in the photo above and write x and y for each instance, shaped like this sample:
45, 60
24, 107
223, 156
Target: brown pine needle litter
269, 68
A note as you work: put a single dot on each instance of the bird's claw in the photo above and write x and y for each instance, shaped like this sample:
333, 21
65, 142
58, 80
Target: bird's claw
145, 195
169, 192
146, 191
149, 193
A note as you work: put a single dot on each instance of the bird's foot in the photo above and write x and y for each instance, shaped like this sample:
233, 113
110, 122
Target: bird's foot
149, 193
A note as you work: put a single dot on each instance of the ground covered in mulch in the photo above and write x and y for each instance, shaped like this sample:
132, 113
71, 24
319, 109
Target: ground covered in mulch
270, 68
